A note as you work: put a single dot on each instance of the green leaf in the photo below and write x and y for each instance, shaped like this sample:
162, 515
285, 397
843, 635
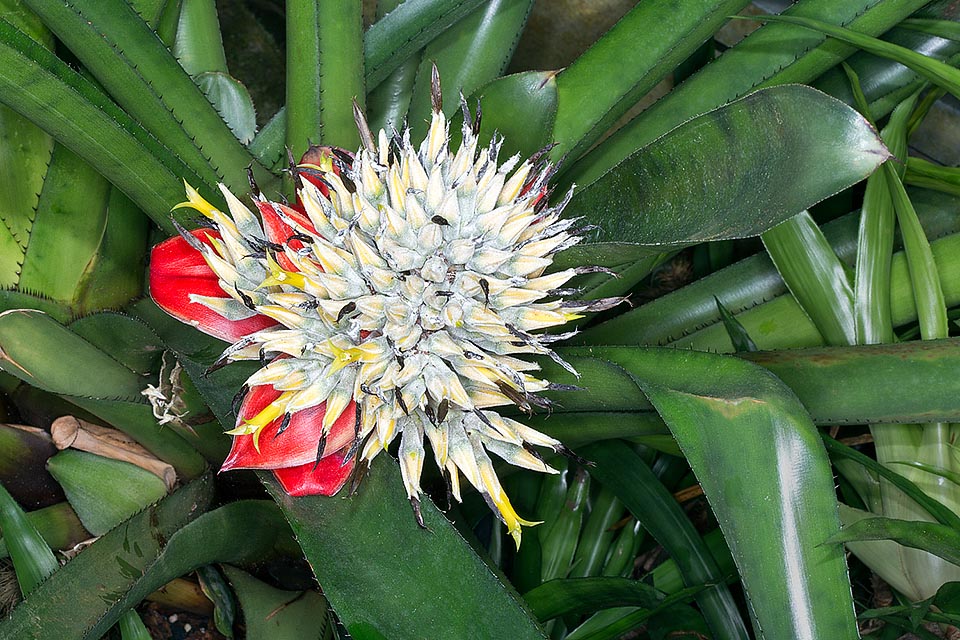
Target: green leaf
28, 340
135, 67
126, 339
471, 53
814, 275
58, 525
521, 107
132, 627
937, 72
922, 173
898, 383
215, 587
747, 284
158, 544
932, 537
32, 559
273, 614
115, 274
776, 54
925, 281
36, 84
734, 172
25, 150
947, 474
586, 595
405, 30
232, 101
199, 45
741, 340
941, 513
398, 591
24, 153
622, 470
324, 73
623, 65
780, 323
387, 103
104, 492
770, 485
70, 220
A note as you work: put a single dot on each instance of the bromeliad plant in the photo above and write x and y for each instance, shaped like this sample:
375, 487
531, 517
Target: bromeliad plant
394, 299
448, 285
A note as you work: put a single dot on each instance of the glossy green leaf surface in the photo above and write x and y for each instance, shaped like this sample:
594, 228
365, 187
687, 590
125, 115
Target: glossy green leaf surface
199, 45
324, 74
396, 36
27, 340
770, 485
166, 540
522, 108
845, 385
232, 101
932, 537
746, 284
935, 71
384, 574
468, 55
32, 559
70, 219
104, 492
624, 64
620, 468
273, 614
734, 172
780, 323
773, 55
57, 524
35, 83
886, 83
814, 275
586, 595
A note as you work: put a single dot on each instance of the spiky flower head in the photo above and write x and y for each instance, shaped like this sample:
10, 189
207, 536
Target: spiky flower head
413, 283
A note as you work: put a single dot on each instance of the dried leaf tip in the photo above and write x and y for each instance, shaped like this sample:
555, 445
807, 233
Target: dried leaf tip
436, 97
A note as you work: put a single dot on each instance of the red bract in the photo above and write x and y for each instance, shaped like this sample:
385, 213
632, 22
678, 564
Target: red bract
177, 271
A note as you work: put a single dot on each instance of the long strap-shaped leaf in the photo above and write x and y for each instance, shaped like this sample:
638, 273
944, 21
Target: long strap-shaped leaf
135, 67
775, 54
38, 85
405, 30
158, 544
324, 73
468, 55
623, 65
933, 70
743, 168
621, 469
767, 477
747, 283
892, 383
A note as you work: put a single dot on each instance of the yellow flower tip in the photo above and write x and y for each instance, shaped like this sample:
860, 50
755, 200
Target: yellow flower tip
279, 276
196, 201
343, 357
572, 316
326, 164
510, 517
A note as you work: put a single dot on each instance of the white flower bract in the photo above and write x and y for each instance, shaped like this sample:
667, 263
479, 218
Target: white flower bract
415, 293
